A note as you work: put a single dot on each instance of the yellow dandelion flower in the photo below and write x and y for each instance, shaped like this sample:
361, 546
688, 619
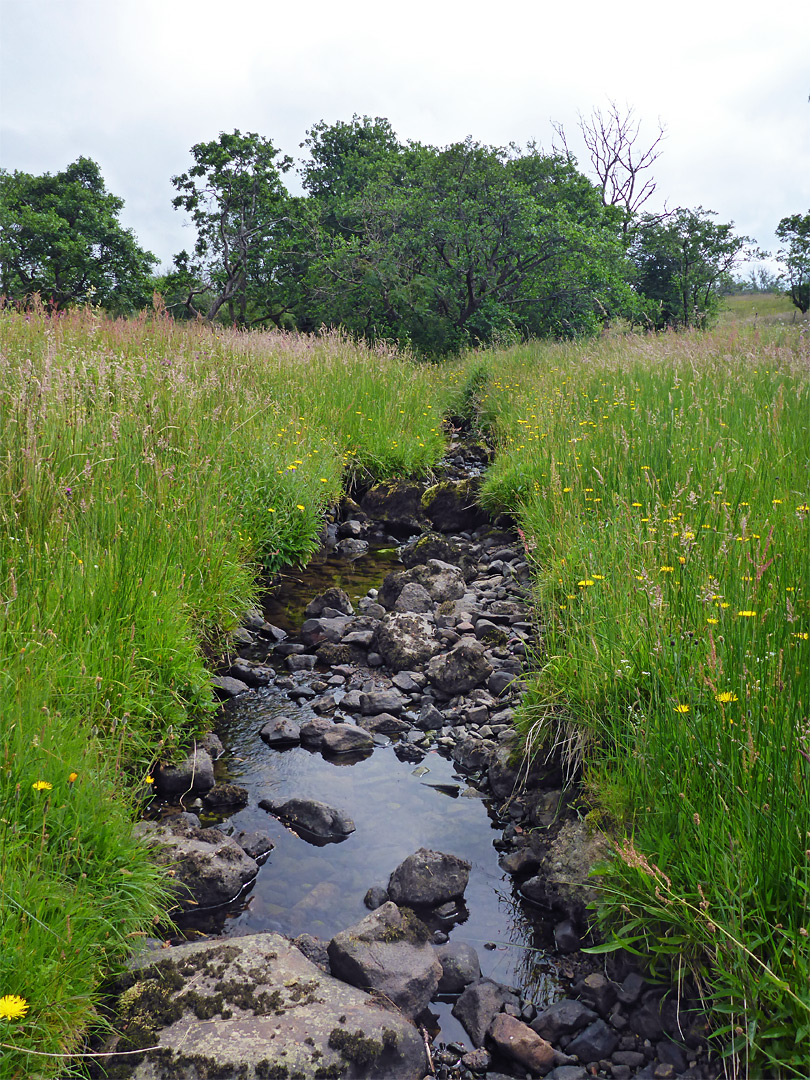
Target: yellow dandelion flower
713, 622
149, 780
74, 776
636, 504
584, 584
12, 1007
747, 614
598, 577
802, 635
271, 510
324, 480
565, 490
42, 785
682, 709
298, 506
681, 559
726, 696
667, 569
776, 502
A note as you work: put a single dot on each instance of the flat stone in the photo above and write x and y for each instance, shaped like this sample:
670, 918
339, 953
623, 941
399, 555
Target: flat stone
595, 1042
281, 731
378, 701
268, 1011
564, 1017
460, 966
342, 738
384, 724
225, 687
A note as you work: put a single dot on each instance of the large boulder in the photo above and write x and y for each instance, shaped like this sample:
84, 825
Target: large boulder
311, 819
428, 878
397, 503
563, 878
478, 1006
439, 581
461, 669
389, 951
405, 641
345, 739
255, 1006
460, 966
331, 598
204, 867
452, 506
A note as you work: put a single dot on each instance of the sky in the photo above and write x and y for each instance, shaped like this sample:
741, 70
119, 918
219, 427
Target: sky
133, 84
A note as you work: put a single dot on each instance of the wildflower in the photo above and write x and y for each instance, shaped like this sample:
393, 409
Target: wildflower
271, 510
667, 569
747, 614
726, 696
802, 635
584, 584
149, 780
713, 622
681, 559
566, 489
776, 502
324, 480
12, 1007
636, 504
298, 506
74, 776
599, 577
682, 709
42, 785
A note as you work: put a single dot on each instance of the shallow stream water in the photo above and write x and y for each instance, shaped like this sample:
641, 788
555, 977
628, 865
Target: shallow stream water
396, 806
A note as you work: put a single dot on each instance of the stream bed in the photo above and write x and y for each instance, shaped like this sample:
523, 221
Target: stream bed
397, 807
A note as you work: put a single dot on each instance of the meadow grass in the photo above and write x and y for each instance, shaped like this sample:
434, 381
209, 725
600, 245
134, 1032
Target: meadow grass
147, 471
759, 309
662, 487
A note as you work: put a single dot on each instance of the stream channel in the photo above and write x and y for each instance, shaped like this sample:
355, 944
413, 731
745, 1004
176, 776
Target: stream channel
397, 807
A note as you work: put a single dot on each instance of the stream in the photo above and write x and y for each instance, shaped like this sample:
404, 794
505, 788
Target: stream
397, 807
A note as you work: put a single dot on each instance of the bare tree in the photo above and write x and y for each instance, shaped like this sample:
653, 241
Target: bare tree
617, 158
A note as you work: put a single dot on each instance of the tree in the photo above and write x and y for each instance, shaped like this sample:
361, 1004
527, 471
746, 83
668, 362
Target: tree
682, 262
60, 236
617, 158
443, 248
794, 233
238, 205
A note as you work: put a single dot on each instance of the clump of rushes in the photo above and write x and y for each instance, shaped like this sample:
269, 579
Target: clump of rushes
146, 471
661, 483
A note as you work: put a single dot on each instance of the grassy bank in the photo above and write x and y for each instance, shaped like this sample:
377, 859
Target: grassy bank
662, 485
146, 470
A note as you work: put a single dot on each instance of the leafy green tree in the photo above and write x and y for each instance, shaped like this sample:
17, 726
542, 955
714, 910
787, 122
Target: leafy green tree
239, 207
794, 233
447, 247
61, 237
683, 261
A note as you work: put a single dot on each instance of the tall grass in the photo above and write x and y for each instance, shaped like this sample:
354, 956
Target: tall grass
662, 484
146, 470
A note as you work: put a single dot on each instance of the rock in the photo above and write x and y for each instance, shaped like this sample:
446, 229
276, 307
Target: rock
313, 731
254, 844
565, 937
251, 673
323, 628
195, 774
500, 681
405, 641
428, 878
598, 992
563, 875
204, 866
311, 819
414, 597
389, 951
472, 755
460, 966
396, 503
384, 724
377, 701
567, 1072
597, 1041
564, 1017
503, 775
442, 581
351, 548
452, 506
477, 1061
517, 1041
344, 738
301, 662
226, 797
213, 744
376, 897
225, 687
491, 634
430, 719
281, 731
333, 598
462, 668
256, 1006
477, 1007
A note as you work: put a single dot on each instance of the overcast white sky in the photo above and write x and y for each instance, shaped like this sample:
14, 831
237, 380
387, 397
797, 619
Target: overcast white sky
134, 83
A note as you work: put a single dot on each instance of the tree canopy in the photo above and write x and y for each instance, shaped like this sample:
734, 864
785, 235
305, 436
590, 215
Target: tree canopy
61, 237
794, 233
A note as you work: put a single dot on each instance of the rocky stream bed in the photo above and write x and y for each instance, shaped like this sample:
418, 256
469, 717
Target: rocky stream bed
370, 882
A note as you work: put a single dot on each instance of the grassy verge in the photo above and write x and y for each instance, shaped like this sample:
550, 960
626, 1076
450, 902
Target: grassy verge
145, 471
662, 485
